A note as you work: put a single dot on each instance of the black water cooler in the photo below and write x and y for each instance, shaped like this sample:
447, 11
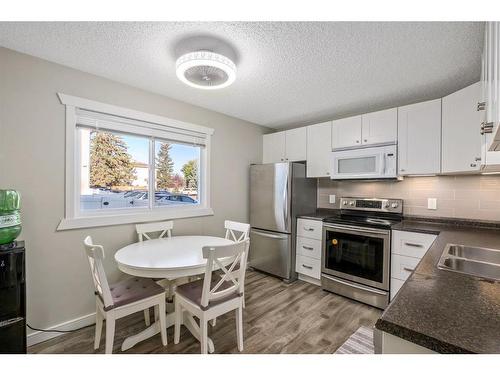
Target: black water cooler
12, 298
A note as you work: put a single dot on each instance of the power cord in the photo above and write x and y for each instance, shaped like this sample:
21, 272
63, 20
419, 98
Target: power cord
58, 330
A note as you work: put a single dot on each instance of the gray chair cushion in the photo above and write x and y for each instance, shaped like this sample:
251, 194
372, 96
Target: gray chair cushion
193, 290
132, 290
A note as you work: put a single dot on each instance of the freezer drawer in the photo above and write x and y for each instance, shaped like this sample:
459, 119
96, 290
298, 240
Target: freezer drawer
271, 252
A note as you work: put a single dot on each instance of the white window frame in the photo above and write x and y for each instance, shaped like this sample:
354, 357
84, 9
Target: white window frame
74, 218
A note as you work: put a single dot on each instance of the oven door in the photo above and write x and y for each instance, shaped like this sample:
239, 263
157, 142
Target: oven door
358, 254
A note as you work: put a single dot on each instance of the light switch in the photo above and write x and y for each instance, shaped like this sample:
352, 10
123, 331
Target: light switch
332, 198
431, 203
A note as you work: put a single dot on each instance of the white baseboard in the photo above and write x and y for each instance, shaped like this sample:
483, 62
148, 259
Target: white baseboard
36, 337
309, 279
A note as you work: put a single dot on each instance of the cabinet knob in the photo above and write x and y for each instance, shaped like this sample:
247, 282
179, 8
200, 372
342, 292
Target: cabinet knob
481, 106
402, 170
365, 140
327, 173
473, 165
357, 141
477, 158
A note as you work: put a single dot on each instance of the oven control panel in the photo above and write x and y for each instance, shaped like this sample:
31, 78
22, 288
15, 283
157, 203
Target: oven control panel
372, 204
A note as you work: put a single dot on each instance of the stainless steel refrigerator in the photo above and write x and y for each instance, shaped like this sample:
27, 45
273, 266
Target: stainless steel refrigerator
278, 193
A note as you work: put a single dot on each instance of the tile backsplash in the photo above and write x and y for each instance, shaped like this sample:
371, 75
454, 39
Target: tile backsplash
471, 197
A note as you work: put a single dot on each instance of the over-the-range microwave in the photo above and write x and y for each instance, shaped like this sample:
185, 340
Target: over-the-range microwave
364, 163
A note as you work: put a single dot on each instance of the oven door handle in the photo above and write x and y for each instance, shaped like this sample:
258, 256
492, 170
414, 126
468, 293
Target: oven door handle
365, 288
356, 229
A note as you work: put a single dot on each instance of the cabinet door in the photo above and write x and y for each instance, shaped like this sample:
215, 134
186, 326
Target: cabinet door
346, 132
461, 143
295, 144
419, 138
273, 148
319, 149
488, 157
380, 127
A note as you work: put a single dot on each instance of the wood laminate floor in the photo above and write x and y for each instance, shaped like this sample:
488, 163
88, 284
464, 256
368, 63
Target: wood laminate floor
279, 318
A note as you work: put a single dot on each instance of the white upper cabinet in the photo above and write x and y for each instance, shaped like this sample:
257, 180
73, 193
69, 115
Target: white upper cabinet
490, 77
380, 127
273, 148
419, 138
295, 144
289, 145
319, 147
346, 132
365, 130
461, 143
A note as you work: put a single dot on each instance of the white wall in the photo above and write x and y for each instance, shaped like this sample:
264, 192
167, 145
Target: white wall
32, 154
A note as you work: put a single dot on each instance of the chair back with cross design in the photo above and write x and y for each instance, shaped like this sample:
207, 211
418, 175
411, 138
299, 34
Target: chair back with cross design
214, 255
144, 230
235, 231
95, 255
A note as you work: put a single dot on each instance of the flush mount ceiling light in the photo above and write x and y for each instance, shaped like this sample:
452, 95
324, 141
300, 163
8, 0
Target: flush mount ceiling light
205, 70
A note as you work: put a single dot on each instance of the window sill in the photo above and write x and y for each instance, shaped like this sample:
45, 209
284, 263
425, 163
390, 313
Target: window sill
131, 218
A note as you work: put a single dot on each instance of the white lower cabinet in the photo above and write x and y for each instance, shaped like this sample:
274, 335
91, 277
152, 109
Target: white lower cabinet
308, 250
396, 284
309, 247
309, 266
407, 248
309, 229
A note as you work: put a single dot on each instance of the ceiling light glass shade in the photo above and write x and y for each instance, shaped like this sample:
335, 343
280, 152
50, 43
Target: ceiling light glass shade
205, 70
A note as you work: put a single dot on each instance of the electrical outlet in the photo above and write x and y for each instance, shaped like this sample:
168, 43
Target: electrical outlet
431, 203
332, 198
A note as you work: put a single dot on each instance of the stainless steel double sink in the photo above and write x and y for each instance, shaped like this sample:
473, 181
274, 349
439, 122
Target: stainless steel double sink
476, 261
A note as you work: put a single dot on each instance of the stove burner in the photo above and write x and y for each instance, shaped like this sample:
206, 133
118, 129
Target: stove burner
378, 221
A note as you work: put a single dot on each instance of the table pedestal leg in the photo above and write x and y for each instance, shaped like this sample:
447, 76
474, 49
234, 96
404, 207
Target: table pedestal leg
152, 330
195, 330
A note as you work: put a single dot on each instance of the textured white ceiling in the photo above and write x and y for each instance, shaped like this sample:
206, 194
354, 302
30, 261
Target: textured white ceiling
289, 73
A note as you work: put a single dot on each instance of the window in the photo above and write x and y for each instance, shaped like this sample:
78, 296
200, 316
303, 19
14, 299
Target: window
125, 166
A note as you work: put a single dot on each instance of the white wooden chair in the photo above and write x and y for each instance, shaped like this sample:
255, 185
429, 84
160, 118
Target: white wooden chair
121, 299
236, 231
144, 232
207, 299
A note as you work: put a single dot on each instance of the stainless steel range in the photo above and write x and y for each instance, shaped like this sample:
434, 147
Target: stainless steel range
357, 248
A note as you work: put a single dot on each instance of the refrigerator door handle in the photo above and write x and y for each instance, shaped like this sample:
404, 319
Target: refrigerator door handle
268, 235
285, 207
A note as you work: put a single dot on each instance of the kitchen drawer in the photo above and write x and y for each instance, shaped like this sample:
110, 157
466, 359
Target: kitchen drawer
402, 266
309, 247
309, 228
308, 266
411, 244
396, 284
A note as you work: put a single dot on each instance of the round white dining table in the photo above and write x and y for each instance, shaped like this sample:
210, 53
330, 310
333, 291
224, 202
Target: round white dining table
167, 258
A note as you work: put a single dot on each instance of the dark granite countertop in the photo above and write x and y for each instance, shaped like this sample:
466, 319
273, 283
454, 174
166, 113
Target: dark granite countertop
319, 214
445, 311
